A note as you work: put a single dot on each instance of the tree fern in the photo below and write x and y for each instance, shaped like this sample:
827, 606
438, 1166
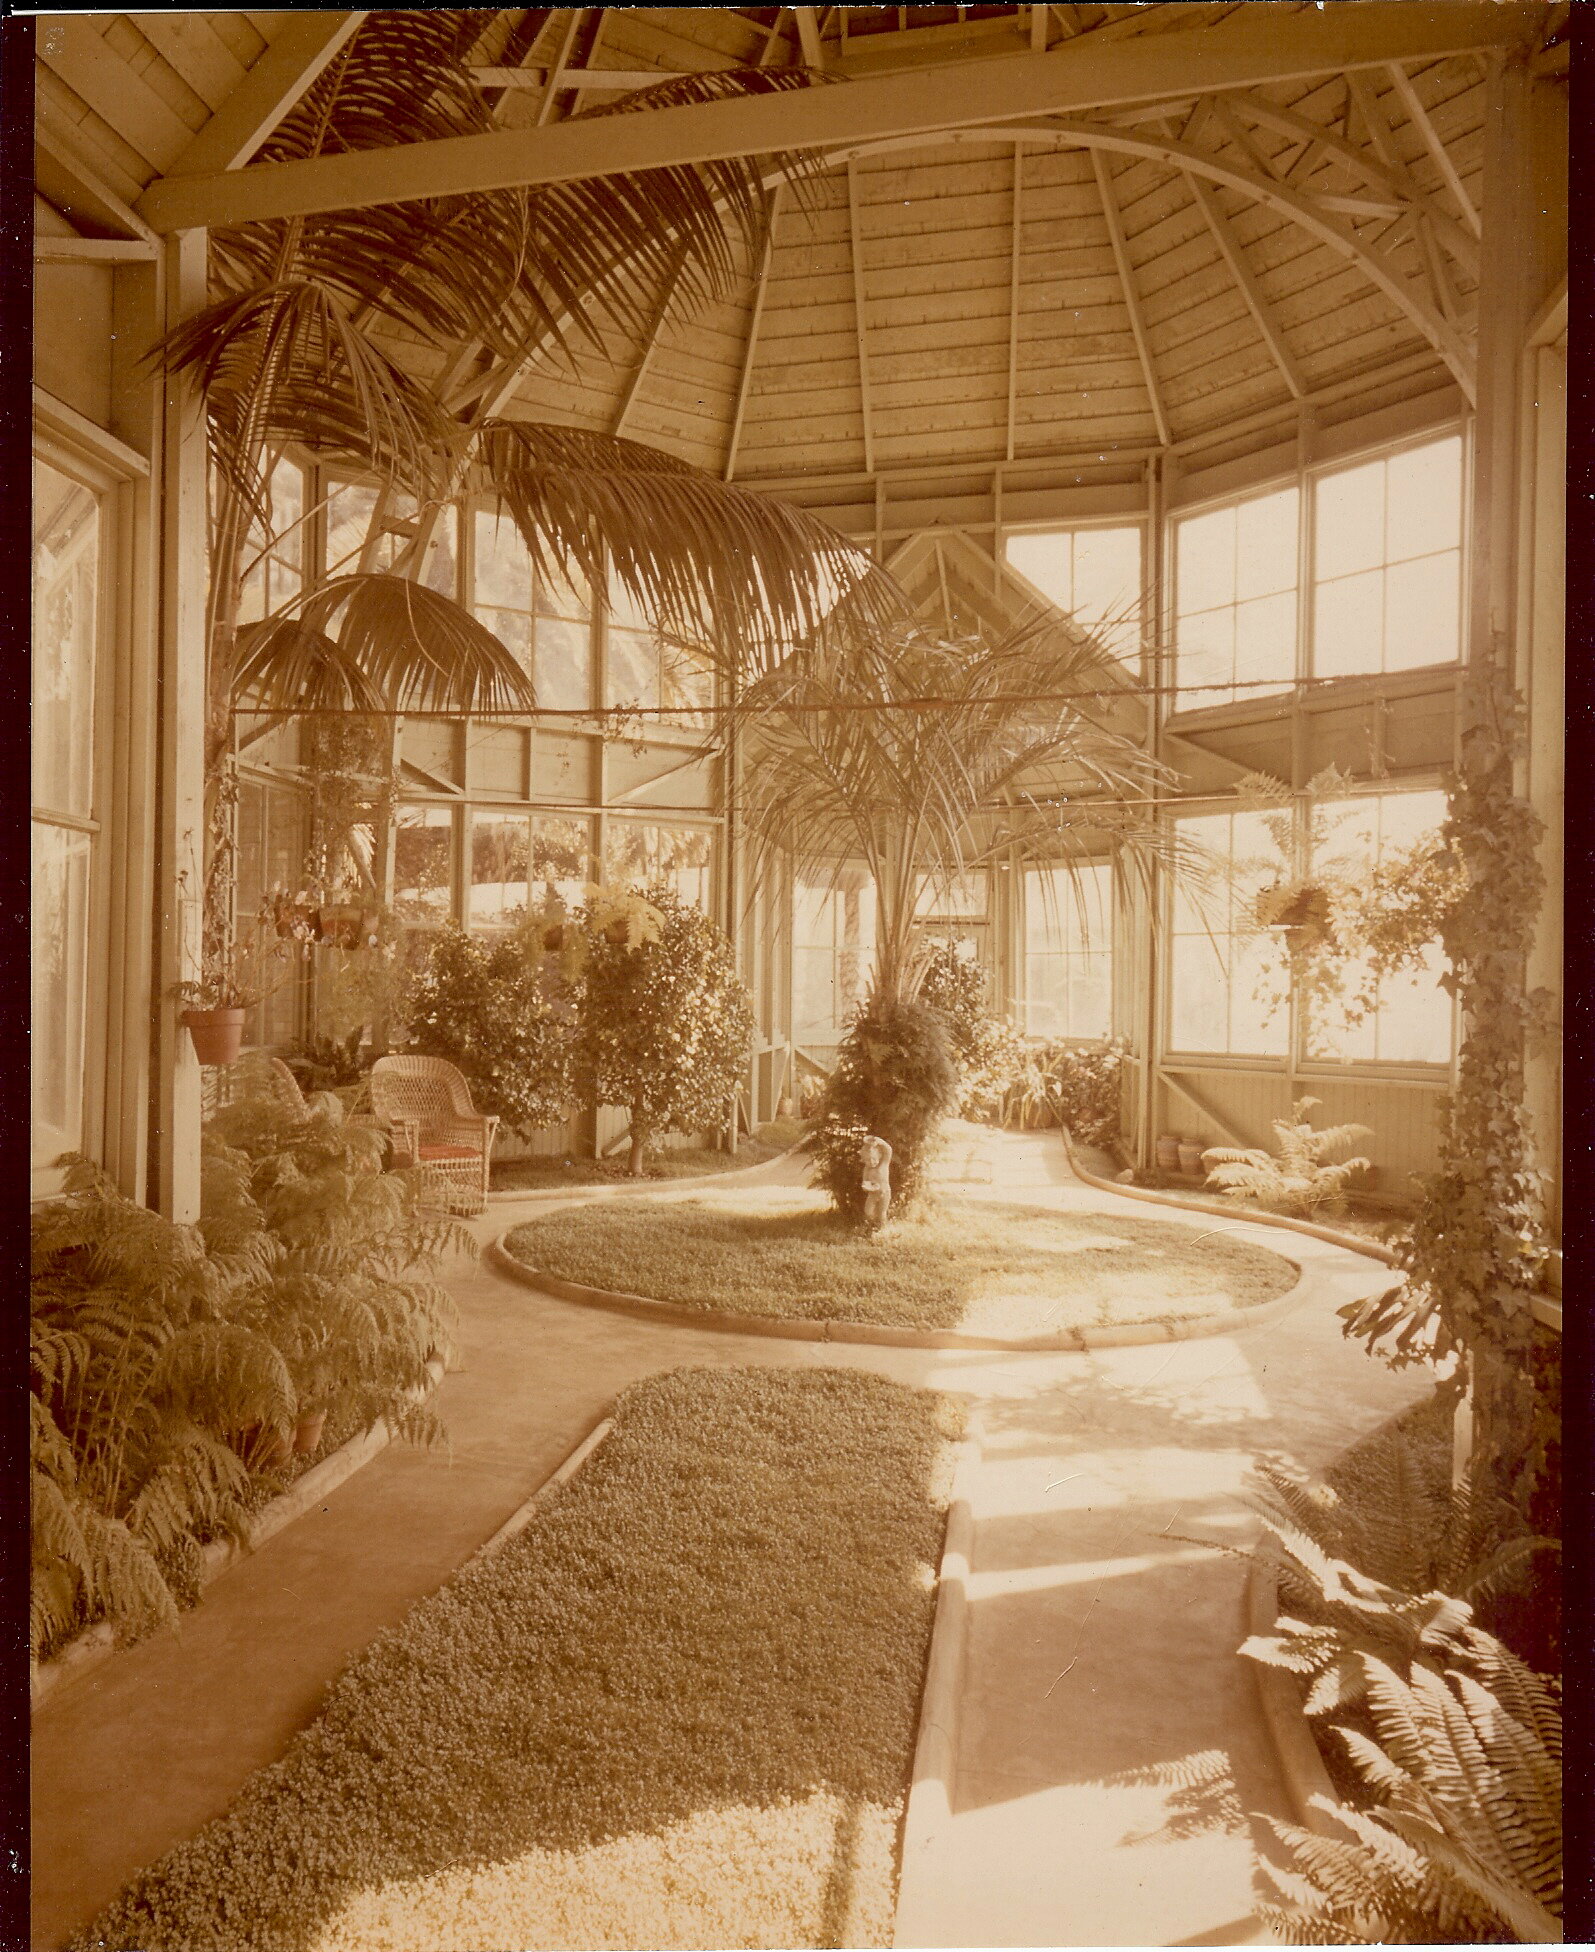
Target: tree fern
1303, 1177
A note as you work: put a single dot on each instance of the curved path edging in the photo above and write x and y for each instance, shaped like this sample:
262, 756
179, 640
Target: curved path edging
677, 1314
604, 1189
95, 1643
929, 1807
1295, 1745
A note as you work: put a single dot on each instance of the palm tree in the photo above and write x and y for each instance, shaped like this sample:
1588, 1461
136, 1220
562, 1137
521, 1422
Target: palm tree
925, 753
299, 347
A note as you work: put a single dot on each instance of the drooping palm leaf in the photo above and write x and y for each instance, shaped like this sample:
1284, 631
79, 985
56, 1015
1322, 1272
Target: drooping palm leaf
374, 642
746, 575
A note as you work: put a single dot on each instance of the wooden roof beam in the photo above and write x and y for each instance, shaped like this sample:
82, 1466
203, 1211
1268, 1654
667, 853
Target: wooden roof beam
1121, 257
1016, 238
808, 22
755, 318
1207, 202
1414, 219
306, 44
645, 358
858, 319
1417, 115
1249, 47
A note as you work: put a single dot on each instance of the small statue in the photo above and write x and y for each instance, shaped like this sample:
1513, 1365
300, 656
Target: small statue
875, 1157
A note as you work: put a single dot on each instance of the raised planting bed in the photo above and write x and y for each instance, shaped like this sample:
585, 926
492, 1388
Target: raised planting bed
677, 1709
975, 1267
674, 1162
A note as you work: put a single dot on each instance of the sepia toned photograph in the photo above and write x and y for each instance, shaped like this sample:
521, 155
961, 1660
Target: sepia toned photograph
796, 975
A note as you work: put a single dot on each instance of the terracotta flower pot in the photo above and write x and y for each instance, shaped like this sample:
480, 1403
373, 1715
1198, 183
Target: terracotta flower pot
308, 1431
218, 1034
261, 1447
1191, 1160
1168, 1155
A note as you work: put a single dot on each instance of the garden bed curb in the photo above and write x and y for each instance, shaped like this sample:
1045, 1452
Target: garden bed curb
526, 1511
1295, 1745
605, 1189
881, 1335
929, 1808
87, 1649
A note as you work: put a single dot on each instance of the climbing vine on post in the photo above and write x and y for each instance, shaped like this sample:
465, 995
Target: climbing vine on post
1477, 1249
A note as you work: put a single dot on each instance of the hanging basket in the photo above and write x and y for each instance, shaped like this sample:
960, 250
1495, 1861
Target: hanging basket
218, 1034
1301, 914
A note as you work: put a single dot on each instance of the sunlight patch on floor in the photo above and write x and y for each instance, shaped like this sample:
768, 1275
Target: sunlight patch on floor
815, 1872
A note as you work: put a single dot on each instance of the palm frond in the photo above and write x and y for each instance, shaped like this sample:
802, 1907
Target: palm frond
372, 642
741, 576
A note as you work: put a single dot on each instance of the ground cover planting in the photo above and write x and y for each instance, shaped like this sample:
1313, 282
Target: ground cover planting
672, 1162
973, 1265
679, 1709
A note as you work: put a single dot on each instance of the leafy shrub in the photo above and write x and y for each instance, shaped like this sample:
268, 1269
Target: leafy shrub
1076, 1086
325, 1063
987, 1049
1302, 1177
895, 1077
665, 1024
503, 1017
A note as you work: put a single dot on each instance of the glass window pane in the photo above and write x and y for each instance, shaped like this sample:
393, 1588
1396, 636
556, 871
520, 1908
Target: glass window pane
956, 894
66, 565
438, 570
513, 629
637, 852
1425, 500
1205, 554
349, 510
684, 681
1414, 1016
499, 869
813, 992
1205, 653
1046, 995
1349, 522
563, 669
503, 566
1265, 643
1265, 544
423, 864
562, 596
1422, 624
1090, 996
1107, 585
1259, 1012
1348, 626
1047, 561
1199, 1020
633, 669
59, 944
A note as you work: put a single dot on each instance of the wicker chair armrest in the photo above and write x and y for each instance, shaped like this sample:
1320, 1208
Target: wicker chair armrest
461, 1130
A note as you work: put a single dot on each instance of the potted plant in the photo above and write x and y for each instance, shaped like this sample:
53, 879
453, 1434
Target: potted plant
1301, 911
232, 980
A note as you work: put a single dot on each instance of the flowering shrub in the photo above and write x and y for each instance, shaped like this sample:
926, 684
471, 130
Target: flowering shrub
988, 1050
504, 1018
665, 1025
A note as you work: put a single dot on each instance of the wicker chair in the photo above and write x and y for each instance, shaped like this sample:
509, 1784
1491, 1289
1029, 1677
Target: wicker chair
426, 1106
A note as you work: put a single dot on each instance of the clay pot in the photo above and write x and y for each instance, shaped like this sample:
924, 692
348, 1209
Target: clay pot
262, 1448
1191, 1160
308, 1431
218, 1034
1168, 1155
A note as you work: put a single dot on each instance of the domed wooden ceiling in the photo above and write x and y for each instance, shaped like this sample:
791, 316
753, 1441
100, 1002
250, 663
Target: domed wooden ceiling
1165, 271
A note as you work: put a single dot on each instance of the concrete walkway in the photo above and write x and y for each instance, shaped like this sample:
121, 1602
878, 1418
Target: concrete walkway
1111, 1747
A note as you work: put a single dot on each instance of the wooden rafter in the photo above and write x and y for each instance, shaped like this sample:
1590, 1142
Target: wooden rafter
809, 35
859, 321
755, 315
303, 48
1014, 263
1038, 30
545, 108
1121, 257
1418, 116
1256, 303
588, 58
1414, 219
1243, 50
645, 358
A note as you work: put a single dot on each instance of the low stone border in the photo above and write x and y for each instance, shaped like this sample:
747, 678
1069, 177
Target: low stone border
614, 1189
929, 1809
87, 1649
1295, 1745
525, 1512
677, 1314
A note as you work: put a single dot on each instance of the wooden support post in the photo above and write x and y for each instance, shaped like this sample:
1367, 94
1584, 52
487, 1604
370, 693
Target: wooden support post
183, 674
859, 318
1015, 258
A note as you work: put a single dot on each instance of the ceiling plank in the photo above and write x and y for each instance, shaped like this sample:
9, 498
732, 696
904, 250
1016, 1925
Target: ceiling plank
307, 43
1418, 117
1240, 51
1110, 210
859, 320
755, 316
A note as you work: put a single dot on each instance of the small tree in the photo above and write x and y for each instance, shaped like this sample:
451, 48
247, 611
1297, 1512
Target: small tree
666, 1026
504, 1018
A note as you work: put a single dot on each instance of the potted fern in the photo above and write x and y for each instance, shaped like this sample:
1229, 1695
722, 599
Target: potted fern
233, 978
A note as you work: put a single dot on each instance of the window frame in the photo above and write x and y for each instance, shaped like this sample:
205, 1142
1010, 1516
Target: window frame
1140, 521
1022, 998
